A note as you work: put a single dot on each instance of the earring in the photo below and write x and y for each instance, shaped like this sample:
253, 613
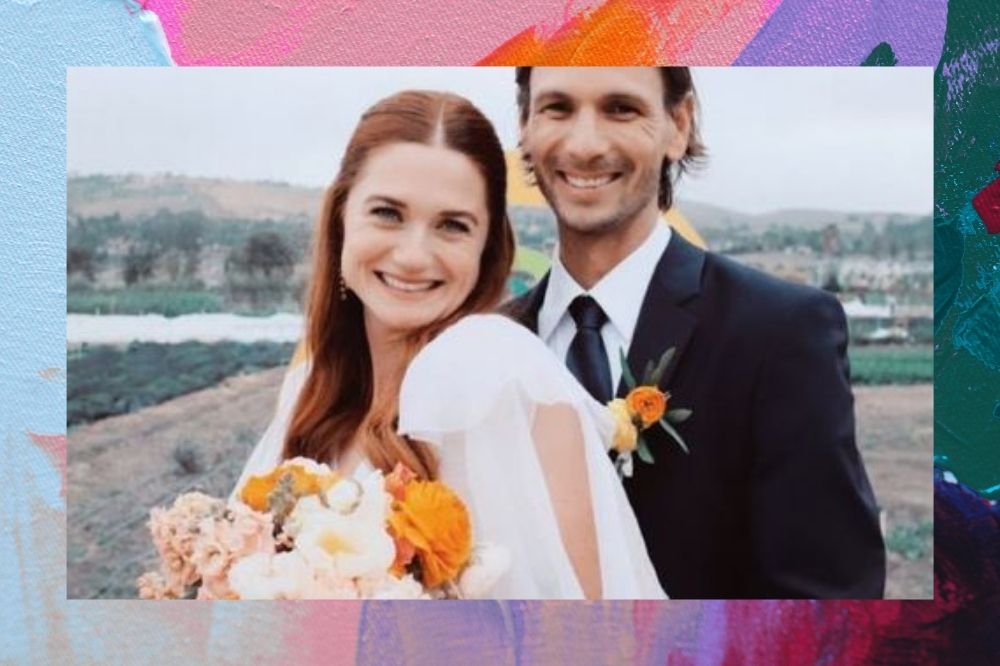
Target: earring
342, 287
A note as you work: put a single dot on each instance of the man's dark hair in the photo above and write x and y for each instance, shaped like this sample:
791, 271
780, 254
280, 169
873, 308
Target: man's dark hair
677, 85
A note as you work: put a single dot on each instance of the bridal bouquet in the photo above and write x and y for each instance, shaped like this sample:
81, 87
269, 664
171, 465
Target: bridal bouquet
302, 531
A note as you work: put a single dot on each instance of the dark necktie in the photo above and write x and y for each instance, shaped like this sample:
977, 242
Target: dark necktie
587, 359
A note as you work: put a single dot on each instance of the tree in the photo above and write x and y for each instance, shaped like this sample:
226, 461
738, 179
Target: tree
266, 253
80, 260
139, 263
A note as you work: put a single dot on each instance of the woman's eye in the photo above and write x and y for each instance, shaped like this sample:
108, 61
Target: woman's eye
387, 213
456, 226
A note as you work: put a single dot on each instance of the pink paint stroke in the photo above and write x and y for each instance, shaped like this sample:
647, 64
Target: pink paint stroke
435, 32
55, 447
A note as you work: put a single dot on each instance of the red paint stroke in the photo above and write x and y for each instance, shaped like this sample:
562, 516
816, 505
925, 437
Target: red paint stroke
55, 447
987, 204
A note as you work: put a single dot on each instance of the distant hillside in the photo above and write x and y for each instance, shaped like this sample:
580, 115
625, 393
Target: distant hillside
134, 197
707, 216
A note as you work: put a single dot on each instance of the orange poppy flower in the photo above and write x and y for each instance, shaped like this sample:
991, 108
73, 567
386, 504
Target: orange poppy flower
435, 521
257, 490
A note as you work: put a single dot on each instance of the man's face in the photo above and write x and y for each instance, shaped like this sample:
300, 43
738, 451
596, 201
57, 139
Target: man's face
596, 138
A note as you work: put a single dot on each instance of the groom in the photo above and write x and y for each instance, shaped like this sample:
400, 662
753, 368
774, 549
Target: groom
773, 500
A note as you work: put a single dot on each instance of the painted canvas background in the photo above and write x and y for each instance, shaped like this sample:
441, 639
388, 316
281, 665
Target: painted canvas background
961, 38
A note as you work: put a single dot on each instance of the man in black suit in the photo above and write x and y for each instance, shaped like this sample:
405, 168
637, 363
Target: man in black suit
772, 501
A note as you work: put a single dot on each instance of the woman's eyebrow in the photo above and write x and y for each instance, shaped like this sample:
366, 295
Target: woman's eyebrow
375, 198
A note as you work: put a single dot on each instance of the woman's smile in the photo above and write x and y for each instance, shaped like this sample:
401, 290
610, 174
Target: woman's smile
407, 286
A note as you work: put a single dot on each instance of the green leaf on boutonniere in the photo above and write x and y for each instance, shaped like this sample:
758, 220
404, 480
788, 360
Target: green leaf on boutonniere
647, 374
645, 455
626, 371
673, 433
657, 374
679, 415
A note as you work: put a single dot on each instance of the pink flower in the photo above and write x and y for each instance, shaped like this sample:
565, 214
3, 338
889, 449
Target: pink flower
222, 541
153, 585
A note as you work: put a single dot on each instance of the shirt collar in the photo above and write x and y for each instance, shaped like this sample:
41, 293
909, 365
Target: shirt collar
619, 293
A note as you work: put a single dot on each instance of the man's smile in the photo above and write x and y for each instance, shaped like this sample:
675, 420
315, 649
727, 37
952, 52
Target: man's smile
588, 182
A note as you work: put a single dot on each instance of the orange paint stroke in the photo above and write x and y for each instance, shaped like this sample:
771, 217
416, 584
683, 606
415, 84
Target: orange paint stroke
617, 33
55, 447
50, 373
641, 32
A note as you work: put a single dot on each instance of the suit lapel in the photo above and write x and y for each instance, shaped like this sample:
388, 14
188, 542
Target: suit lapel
663, 322
524, 309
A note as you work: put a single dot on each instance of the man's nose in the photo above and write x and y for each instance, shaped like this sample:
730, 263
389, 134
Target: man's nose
585, 137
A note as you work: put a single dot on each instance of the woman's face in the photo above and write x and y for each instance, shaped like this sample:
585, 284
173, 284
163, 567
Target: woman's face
415, 225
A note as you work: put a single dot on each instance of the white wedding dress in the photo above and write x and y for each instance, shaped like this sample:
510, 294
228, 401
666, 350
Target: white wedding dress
473, 393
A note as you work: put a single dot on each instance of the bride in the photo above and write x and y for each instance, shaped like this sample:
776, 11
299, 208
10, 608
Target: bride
412, 251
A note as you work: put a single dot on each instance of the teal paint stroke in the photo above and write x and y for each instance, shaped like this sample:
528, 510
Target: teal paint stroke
967, 259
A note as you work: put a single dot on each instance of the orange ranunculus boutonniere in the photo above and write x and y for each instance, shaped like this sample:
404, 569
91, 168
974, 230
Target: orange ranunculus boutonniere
644, 406
648, 402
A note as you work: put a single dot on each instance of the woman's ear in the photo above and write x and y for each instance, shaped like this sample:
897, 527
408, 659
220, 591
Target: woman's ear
681, 118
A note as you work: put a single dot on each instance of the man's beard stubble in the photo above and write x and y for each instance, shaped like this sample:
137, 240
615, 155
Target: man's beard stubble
613, 223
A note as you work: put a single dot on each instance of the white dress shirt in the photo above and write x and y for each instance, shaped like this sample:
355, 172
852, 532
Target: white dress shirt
619, 293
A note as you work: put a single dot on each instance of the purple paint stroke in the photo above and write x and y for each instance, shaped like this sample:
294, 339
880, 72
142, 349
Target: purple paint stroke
961, 71
818, 32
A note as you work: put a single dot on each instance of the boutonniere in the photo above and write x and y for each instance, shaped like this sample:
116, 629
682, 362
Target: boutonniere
644, 406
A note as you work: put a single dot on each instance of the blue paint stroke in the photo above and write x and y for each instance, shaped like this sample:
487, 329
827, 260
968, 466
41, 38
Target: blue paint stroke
39, 41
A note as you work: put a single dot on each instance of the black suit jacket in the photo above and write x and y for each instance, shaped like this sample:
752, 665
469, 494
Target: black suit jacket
773, 500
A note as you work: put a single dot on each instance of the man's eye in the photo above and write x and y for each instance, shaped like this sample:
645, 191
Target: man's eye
456, 226
387, 213
622, 110
555, 109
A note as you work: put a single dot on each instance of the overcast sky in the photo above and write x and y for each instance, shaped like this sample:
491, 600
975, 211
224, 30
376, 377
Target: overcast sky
853, 139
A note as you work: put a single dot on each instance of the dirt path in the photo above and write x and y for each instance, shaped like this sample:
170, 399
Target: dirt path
896, 437
121, 467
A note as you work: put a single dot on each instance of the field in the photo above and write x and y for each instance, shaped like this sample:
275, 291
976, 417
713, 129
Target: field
122, 466
168, 302
887, 364
105, 380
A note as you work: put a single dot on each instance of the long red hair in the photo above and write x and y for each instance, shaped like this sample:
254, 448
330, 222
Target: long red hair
338, 402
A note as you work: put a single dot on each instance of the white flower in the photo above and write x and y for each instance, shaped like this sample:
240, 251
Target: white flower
349, 539
365, 501
345, 545
310, 465
345, 496
374, 502
303, 512
270, 576
486, 566
390, 587
331, 586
